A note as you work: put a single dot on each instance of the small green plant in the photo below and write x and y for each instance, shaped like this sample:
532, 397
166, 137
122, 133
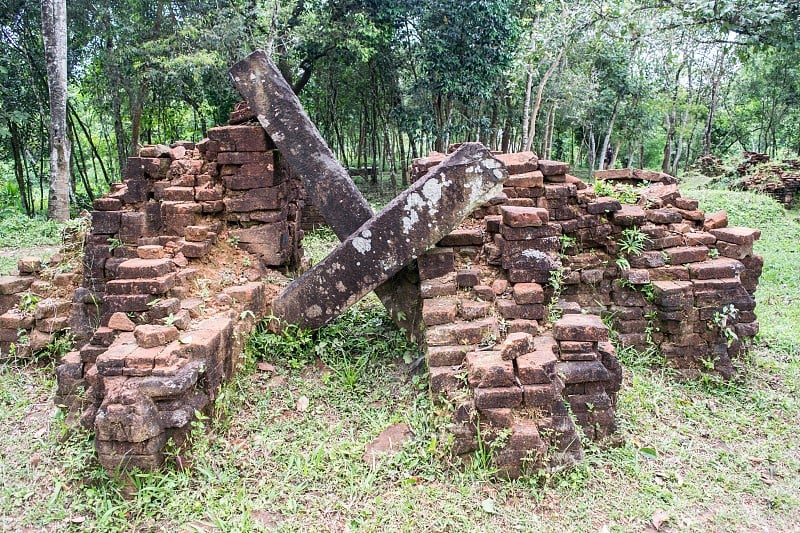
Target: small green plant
632, 241
153, 303
170, 320
113, 244
557, 283
649, 291
28, 301
723, 319
713, 253
567, 243
233, 239
623, 264
627, 194
62, 342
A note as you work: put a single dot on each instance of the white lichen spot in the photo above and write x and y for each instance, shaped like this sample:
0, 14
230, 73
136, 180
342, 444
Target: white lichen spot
314, 311
340, 286
532, 253
252, 75
491, 163
362, 245
498, 173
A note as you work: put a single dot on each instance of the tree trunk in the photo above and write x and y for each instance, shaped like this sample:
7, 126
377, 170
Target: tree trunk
526, 109
712, 107
538, 102
54, 33
607, 139
19, 169
667, 146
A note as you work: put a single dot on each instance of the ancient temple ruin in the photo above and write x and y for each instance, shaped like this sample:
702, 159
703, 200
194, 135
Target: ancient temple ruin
512, 273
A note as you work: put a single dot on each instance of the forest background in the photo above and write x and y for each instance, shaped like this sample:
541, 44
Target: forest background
597, 83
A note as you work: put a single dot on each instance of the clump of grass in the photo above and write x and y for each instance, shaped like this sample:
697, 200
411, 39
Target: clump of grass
361, 334
319, 242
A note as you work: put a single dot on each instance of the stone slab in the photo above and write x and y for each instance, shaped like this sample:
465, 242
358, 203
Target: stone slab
413, 222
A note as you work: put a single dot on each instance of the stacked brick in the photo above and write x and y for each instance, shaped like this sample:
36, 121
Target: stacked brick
156, 351
548, 246
780, 180
183, 194
33, 311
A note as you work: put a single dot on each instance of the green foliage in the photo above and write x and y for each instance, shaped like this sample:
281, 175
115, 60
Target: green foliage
627, 194
722, 320
28, 301
17, 230
632, 241
360, 335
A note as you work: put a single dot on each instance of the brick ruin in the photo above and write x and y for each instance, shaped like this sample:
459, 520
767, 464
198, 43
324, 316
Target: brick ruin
548, 248
519, 302
778, 179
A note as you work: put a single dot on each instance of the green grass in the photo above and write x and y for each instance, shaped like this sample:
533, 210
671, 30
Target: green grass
20, 234
778, 295
713, 456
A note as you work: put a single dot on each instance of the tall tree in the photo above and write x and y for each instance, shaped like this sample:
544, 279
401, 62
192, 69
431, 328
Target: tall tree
54, 33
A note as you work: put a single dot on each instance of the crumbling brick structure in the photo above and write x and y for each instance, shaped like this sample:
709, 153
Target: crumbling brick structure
778, 179
516, 302
160, 342
546, 247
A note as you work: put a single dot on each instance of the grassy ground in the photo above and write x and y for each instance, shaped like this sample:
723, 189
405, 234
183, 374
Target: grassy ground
21, 236
286, 451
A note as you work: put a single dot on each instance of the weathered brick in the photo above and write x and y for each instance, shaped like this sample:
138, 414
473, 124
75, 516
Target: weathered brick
461, 333
448, 355
715, 221
463, 237
150, 252
663, 216
523, 217
471, 310
602, 205
686, 254
489, 369
439, 311
536, 367
467, 278
516, 344
582, 371
267, 198
436, 263
737, 235
629, 215
520, 162
149, 336
696, 238
444, 378
509, 309
145, 268
721, 267
494, 398
527, 179
106, 222
580, 328
553, 168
